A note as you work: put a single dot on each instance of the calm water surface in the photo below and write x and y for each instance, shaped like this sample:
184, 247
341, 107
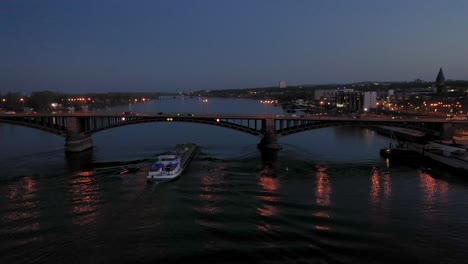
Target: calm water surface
327, 197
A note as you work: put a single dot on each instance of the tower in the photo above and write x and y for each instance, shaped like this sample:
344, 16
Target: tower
440, 81
282, 84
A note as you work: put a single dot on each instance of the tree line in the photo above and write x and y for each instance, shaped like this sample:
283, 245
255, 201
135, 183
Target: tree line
48, 100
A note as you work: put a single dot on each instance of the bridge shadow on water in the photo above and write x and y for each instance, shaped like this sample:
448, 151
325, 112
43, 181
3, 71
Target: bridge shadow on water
269, 163
269, 157
80, 161
86, 161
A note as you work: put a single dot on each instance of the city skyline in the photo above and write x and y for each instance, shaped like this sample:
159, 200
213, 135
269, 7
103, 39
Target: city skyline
169, 46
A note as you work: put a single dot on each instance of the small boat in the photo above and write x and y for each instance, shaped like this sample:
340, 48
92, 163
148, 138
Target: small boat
171, 165
402, 151
127, 169
399, 153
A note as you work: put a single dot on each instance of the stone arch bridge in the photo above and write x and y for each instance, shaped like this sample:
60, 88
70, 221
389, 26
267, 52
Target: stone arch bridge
77, 128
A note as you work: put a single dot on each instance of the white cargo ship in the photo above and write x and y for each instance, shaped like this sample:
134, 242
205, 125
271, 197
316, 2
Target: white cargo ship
172, 164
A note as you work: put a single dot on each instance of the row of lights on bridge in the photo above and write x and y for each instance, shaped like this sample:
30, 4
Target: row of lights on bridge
170, 119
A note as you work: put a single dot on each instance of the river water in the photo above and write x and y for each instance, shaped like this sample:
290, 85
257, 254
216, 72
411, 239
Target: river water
326, 197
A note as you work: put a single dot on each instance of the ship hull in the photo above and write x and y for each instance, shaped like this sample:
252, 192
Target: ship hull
171, 165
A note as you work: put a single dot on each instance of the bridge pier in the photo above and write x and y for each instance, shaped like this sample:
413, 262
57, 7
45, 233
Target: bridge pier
269, 140
269, 158
80, 161
76, 140
78, 143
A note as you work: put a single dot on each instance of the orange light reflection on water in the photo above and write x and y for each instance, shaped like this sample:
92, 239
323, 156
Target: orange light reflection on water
381, 185
268, 197
84, 197
209, 186
211, 198
387, 183
24, 195
434, 191
269, 187
85, 173
322, 194
375, 187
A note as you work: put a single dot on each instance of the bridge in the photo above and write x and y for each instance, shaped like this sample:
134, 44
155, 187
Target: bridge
77, 128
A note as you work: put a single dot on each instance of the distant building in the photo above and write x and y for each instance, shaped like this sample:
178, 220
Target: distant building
370, 101
390, 95
322, 94
464, 108
351, 101
326, 94
420, 91
440, 82
282, 84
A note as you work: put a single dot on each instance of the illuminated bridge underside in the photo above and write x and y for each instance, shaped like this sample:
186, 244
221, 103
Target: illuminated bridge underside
296, 127
52, 125
78, 128
250, 126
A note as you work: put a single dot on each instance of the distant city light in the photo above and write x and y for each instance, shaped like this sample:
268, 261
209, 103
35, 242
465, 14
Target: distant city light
268, 101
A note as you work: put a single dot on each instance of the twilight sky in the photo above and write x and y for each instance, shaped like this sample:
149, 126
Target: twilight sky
186, 45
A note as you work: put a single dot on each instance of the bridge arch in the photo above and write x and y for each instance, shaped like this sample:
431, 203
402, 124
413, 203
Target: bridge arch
281, 132
213, 122
53, 129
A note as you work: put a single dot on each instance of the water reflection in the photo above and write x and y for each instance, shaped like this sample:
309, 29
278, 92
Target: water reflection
80, 162
24, 209
85, 198
387, 186
211, 189
381, 185
269, 158
269, 187
268, 197
380, 196
84, 188
323, 200
434, 191
375, 187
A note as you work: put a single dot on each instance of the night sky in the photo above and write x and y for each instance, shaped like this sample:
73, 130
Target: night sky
175, 45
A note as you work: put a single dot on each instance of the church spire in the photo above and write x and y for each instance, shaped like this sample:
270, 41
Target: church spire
440, 80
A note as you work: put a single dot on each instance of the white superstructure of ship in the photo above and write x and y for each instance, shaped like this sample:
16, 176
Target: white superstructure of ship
171, 165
